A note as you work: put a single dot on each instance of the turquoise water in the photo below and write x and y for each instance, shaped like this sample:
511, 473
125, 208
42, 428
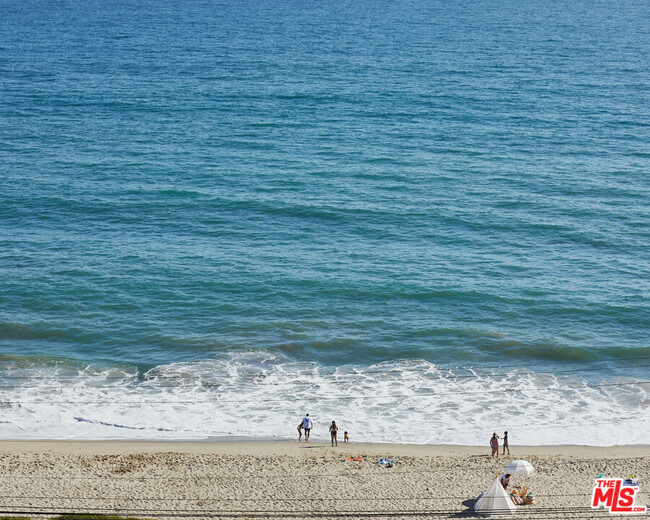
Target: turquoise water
271, 207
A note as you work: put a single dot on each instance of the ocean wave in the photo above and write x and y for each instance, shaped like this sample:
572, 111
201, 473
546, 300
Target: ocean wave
261, 395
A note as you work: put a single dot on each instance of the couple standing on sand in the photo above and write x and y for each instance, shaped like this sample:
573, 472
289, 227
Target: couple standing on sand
306, 425
494, 444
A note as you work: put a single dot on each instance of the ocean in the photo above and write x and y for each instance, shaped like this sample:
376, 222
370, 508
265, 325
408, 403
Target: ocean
426, 220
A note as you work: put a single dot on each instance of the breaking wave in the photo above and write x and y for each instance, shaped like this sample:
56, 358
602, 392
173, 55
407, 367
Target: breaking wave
259, 395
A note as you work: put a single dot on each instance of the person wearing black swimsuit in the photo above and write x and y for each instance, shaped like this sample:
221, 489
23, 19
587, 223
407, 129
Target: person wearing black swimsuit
333, 431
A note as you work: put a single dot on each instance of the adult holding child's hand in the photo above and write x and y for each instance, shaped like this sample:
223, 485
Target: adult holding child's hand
307, 425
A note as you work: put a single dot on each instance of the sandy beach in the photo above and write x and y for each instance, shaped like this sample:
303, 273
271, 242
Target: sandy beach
288, 479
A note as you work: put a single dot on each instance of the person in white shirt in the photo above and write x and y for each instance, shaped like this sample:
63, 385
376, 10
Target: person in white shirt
307, 426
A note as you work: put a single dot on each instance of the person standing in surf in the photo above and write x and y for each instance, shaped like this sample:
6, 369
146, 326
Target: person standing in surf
334, 429
306, 426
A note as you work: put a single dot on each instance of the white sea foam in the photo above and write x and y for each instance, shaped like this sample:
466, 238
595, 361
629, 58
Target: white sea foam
258, 395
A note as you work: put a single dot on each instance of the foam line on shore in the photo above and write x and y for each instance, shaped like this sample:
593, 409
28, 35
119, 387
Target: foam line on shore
257, 395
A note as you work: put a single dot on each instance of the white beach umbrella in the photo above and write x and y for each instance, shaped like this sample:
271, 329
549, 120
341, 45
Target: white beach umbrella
519, 467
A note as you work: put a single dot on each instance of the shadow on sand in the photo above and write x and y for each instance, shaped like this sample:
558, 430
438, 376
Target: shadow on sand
469, 512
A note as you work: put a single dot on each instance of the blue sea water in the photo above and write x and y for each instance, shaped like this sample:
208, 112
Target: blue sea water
426, 220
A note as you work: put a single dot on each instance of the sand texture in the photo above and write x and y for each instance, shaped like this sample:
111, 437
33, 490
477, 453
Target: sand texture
289, 480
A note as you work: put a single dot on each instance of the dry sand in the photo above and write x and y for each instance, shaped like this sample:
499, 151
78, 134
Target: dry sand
289, 480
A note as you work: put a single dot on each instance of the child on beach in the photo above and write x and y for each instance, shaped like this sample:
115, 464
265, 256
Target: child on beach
300, 431
346, 437
506, 446
494, 444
